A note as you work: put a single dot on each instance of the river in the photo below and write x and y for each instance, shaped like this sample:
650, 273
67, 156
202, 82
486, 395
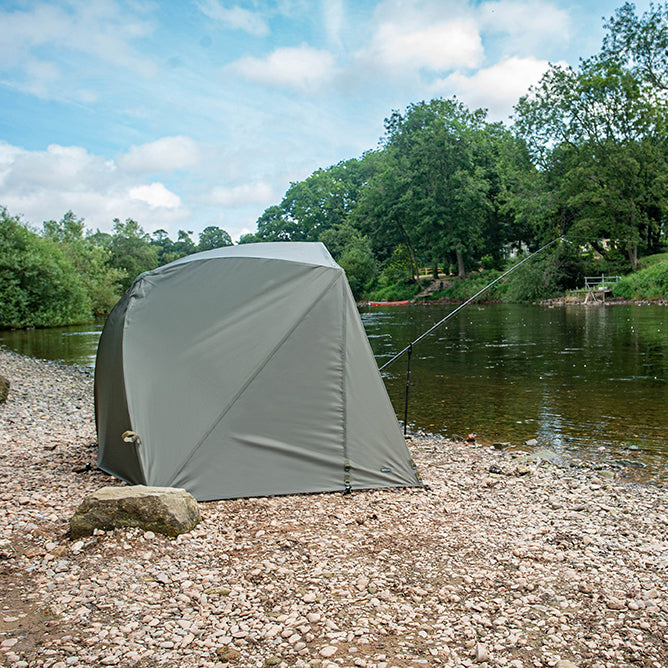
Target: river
590, 381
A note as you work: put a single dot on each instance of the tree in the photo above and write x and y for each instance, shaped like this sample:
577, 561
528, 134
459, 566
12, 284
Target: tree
249, 238
213, 237
641, 43
131, 250
602, 129
91, 261
322, 201
437, 145
39, 286
184, 245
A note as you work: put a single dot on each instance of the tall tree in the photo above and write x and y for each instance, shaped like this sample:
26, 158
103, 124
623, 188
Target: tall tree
603, 129
131, 250
213, 237
39, 286
91, 261
439, 146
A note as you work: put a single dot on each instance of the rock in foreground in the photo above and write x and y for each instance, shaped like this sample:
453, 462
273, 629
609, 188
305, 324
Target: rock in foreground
165, 510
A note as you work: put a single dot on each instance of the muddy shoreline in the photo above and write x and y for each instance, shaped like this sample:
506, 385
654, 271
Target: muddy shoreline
508, 561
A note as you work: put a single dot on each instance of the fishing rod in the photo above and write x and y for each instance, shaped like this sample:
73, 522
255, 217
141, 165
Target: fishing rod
467, 302
409, 347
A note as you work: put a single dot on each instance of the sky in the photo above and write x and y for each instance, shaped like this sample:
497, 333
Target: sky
182, 114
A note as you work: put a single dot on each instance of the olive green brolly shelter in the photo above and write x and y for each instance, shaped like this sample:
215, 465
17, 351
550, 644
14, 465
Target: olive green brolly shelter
245, 371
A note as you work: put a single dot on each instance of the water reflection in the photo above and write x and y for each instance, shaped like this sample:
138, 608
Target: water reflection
71, 345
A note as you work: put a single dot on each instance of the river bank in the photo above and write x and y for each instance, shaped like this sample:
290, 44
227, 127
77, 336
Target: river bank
507, 561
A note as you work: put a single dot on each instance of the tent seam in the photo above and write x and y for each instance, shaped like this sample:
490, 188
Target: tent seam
131, 304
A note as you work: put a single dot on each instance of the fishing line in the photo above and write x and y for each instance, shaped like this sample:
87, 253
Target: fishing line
409, 347
467, 302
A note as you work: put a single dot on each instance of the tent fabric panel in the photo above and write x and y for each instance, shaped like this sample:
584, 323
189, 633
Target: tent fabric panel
111, 410
376, 447
285, 433
183, 371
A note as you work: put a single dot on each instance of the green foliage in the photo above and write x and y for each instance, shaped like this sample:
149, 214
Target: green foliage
545, 276
394, 292
249, 238
361, 271
650, 260
649, 283
600, 135
213, 237
39, 286
90, 260
131, 251
463, 289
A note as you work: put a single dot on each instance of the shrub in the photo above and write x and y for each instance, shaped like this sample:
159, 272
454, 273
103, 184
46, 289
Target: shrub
39, 286
649, 283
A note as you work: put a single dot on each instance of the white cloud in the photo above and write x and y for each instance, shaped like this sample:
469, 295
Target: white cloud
238, 196
234, 17
531, 21
162, 155
41, 185
333, 20
440, 47
102, 30
156, 196
303, 68
497, 88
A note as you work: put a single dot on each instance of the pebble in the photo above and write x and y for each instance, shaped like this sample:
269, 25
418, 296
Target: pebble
515, 569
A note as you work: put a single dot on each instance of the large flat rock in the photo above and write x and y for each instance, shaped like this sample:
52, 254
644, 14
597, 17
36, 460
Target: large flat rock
166, 510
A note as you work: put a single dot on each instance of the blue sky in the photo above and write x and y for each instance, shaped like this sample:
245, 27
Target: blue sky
187, 113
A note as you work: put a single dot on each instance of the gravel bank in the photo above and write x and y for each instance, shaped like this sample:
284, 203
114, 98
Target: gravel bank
528, 565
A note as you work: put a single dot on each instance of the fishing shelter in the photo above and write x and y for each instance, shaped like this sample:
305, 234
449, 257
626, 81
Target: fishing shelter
245, 371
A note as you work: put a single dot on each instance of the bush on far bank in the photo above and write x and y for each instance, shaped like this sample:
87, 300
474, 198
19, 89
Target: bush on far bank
650, 283
39, 286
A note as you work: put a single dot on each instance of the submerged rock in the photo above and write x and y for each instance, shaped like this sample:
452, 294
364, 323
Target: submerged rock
165, 510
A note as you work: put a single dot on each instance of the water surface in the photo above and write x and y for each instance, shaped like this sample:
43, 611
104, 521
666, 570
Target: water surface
592, 381
587, 380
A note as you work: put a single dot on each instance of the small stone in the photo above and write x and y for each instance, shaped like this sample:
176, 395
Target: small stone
615, 603
565, 663
481, 653
327, 651
228, 654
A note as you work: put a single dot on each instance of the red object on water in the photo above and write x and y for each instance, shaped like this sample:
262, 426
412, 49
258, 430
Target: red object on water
402, 303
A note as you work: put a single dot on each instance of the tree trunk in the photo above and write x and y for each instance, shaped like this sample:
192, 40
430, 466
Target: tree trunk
415, 270
435, 269
633, 256
461, 270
